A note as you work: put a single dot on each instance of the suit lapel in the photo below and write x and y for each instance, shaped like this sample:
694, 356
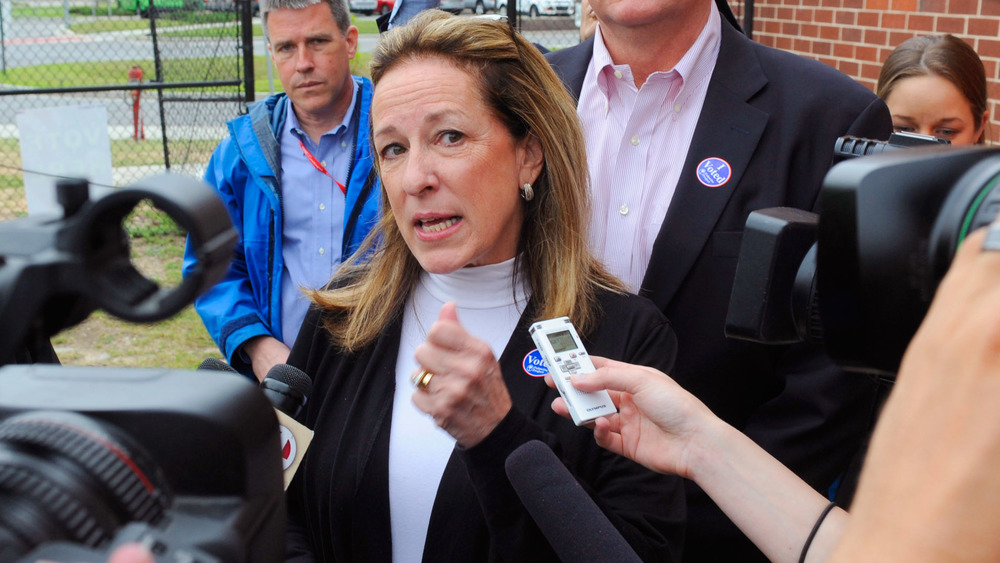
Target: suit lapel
571, 65
729, 129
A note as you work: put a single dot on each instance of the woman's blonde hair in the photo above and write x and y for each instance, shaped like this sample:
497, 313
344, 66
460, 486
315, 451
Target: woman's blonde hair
518, 85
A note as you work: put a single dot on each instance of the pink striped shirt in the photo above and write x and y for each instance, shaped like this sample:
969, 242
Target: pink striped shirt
637, 140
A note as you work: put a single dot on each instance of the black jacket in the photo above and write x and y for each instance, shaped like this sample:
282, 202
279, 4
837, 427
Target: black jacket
338, 502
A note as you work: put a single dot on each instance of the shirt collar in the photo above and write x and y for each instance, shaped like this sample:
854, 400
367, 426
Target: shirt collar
292, 122
696, 64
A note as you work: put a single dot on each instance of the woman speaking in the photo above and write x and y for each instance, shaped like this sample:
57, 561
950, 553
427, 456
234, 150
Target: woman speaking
425, 375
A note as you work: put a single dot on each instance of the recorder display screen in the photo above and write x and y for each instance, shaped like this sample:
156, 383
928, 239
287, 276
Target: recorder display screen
562, 341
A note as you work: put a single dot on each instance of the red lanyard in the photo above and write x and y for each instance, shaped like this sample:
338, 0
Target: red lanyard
319, 166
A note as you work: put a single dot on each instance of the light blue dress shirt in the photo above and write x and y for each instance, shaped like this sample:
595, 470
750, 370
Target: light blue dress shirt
312, 208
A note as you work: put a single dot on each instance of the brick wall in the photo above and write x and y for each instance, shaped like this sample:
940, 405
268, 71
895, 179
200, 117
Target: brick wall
855, 36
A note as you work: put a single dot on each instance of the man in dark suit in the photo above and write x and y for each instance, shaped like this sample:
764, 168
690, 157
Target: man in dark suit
757, 126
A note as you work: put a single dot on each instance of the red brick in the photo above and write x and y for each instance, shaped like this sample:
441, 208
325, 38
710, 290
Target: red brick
876, 37
852, 34
783, 43
771, 27
843, 51
883, 54
904, 5
983, 26
850, 68
934, 6
821, 47
809, 30
765, 12
823, 16
802, 46
991, 69
893, 21
788, 28
870, 71
845, 18
993, 89
897, 37
868, 19
768, 40
877, 5
990, 8
810, 2
988, 48
832, 3
804, 14
854, 4
950, 25
785, 14
827, 61
829, 32
970, 7
864, 53
918, 23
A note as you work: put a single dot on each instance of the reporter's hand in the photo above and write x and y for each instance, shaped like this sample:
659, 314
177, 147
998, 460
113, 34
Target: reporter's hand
658, 423
467, 395
929, 488
265, 352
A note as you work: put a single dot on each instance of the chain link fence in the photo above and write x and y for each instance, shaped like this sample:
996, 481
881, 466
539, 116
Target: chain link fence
152, 82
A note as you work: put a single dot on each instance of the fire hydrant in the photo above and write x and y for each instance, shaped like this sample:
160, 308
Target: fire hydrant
135, 77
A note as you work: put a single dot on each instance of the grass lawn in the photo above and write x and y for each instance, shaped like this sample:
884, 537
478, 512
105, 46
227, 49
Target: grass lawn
180, 342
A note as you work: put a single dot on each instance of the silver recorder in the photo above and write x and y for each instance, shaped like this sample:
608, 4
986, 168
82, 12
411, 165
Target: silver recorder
563, 351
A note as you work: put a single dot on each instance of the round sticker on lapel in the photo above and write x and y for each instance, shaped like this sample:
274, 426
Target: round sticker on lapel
714, 172
534, 365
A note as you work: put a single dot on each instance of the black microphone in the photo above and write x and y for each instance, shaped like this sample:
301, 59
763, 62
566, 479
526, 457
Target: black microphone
215, 364
576, 528
287, 387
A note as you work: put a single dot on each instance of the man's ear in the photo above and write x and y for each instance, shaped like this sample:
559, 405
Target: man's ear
352, 41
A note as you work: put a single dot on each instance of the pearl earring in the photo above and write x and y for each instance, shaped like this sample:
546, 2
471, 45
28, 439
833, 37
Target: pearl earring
527, 192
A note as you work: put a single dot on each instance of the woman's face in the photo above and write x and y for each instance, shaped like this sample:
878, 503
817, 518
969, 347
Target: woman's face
451, 170
932, 105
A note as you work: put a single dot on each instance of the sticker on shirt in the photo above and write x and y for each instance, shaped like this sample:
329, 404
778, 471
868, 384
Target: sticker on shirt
534, 365
288, 447
714, 172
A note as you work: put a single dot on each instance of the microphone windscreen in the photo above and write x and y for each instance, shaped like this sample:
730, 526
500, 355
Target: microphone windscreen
576, 528
291, 376
215, 364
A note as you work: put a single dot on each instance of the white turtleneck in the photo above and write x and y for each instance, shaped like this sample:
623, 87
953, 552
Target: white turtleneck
418, 449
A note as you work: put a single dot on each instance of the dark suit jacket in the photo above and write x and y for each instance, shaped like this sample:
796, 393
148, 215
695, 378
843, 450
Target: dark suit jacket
338, 503
774, 117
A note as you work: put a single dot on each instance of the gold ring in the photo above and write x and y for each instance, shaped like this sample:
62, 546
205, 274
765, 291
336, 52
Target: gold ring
423, 379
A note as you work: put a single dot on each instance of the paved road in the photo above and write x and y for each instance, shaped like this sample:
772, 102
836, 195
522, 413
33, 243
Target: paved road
43, 41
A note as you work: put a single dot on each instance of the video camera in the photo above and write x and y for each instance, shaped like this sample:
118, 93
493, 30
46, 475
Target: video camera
859, 277
91, 458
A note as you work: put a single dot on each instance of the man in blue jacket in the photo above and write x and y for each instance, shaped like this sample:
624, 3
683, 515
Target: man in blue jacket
297, 177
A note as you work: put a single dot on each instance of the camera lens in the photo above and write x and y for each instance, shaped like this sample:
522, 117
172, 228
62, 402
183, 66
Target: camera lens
67, 477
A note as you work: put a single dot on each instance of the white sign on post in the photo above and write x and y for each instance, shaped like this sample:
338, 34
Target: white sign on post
60, 142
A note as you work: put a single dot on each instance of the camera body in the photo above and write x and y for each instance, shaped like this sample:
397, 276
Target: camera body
860, 276
183, 461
